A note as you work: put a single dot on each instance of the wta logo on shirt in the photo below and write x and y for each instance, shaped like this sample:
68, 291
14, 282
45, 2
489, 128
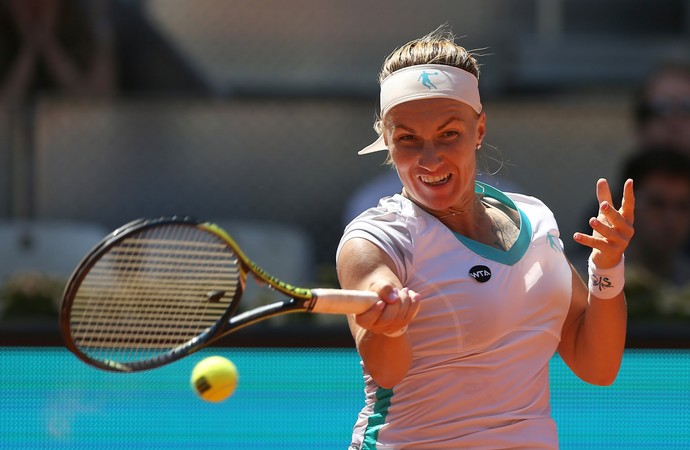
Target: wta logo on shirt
481, 274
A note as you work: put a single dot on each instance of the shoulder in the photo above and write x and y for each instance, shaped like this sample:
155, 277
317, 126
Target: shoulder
389, 226
391, 212
526, 200
533, 207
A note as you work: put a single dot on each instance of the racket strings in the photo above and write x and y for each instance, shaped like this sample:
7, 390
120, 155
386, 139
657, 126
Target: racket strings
152, 292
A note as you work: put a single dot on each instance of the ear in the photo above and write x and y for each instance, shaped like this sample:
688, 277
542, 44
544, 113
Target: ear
481, 129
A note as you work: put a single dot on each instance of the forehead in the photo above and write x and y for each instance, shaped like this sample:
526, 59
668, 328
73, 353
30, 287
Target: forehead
670, 84
665, 184
430, 109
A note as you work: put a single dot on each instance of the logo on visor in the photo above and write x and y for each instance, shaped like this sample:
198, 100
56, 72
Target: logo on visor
426, 82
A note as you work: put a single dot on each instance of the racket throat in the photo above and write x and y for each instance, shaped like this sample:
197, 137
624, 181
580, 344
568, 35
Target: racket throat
264, 312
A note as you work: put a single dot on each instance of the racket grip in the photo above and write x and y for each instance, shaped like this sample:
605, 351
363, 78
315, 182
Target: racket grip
342, 301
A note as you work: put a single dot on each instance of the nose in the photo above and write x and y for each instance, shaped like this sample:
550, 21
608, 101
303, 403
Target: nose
430, 157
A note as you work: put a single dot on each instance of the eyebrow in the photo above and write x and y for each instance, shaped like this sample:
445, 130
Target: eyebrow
449, 121
404, 127
440, 127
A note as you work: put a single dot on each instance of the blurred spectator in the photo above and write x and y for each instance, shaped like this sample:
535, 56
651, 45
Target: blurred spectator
55, 45
657, 268
86, 47
661, 114
662, 109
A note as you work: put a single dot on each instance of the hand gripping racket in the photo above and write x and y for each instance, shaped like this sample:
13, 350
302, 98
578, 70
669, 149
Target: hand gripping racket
155, 291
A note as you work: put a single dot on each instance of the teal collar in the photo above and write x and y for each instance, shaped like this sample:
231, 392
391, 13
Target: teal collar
514, 253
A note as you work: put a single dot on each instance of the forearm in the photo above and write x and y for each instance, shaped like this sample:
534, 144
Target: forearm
601, 340
388, 359
364, 266
593, 336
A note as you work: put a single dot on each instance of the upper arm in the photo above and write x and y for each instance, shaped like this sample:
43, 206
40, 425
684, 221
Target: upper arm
360, 262
364, 266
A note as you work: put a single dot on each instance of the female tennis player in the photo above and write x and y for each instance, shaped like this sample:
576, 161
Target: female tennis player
476, 292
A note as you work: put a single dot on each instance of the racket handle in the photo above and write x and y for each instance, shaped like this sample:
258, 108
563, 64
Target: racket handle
343, 301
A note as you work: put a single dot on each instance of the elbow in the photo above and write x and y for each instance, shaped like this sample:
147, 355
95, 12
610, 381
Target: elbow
388, 380
386, 385
389, 375
603, 382
601, 378
606, 380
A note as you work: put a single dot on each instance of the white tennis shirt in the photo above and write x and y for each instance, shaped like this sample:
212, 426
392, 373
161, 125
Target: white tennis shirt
488, 324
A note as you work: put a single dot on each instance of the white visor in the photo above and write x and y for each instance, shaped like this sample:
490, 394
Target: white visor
422, 82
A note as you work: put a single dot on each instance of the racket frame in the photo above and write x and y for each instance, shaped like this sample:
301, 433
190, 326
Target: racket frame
299, 299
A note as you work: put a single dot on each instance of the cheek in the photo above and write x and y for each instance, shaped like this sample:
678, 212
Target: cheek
646, 220
402, 160
661, 224
404, 168
404, 174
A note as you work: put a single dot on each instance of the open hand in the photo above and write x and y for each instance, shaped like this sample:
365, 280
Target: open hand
612, 228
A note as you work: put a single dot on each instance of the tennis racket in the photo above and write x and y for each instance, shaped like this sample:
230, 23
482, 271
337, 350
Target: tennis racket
155, 291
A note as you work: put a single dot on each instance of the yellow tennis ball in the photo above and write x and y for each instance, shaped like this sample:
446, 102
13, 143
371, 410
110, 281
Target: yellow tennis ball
214, 378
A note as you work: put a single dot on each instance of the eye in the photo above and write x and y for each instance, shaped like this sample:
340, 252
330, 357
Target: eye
450, 134
406, 138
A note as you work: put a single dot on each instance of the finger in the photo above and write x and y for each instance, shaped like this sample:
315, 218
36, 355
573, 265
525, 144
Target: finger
604, 191
613, 238
386, 291
603, 245
398, 315
369, 318
585, 239
614, 226
628, 204
403, 304
409, 306
390, 294
392, 313
605, 230
610, 249
414, 307
609, 215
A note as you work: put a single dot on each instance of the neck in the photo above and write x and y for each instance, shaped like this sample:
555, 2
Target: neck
658, 263
484, 220
457, 212
451, 212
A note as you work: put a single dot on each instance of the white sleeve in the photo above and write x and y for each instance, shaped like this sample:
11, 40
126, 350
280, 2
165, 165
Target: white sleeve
385, 229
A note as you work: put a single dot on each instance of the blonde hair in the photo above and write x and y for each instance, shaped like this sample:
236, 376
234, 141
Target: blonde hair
437, 47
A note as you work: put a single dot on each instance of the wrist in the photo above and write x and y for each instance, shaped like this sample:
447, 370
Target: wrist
606, 283
398, 333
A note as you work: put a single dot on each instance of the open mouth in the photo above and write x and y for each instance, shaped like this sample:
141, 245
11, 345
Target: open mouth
435, 180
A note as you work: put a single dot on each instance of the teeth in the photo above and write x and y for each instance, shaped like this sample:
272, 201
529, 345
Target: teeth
439, 179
